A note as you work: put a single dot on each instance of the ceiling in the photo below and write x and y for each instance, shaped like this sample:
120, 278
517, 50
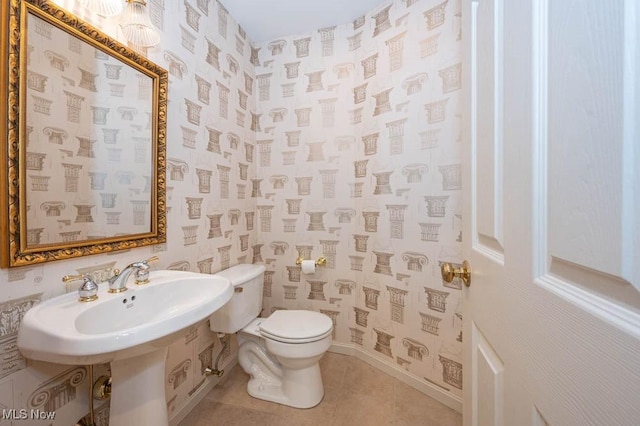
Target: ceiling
265, 20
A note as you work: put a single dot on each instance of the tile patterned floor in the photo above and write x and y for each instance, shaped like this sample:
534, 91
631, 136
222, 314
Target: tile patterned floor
355, 394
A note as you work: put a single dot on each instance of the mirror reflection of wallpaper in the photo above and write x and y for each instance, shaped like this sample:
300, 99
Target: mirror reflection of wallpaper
359, 155
89, 153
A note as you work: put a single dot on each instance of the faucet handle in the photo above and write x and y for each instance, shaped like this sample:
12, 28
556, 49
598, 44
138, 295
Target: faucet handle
142, 274
88, 291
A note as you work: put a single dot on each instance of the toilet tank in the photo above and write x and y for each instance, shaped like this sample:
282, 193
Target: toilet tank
246, 302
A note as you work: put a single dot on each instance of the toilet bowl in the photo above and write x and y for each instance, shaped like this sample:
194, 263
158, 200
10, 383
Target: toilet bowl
286, 372
281, 353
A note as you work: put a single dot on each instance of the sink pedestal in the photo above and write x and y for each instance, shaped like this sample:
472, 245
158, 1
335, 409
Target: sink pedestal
137, 390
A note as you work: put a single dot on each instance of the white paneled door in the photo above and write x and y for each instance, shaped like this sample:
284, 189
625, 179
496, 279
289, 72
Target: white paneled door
552, 212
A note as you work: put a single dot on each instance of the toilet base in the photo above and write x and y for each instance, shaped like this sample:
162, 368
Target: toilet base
298, 388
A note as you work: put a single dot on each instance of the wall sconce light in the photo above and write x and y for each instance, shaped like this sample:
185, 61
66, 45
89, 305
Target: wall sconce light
103, 7
137, 26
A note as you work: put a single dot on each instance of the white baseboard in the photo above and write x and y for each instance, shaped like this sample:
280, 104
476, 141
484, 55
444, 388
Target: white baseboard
392, 369
198, 396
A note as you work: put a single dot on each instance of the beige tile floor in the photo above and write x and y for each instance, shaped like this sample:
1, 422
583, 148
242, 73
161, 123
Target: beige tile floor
355, 394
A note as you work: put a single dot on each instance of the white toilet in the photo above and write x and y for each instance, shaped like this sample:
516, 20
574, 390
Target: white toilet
281, 352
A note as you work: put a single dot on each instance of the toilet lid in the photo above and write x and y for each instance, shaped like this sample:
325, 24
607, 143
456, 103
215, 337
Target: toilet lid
293, 325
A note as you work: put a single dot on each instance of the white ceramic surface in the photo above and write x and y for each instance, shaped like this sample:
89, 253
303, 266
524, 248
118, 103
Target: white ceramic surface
66, 331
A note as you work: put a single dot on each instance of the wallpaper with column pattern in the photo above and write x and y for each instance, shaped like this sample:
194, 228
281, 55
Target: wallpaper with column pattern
343, 142
211, 162
359, 161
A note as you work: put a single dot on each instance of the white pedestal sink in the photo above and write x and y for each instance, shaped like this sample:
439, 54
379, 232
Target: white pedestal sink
131, 330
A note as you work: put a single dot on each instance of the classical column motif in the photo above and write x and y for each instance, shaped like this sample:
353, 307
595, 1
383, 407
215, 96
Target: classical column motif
356, 263
436, 299
304, 185
213, 144
194, 207
57, 392
344, 214
356, 335
436, 205
370, 142
279, 247
396, 218
264, 151
265, 217
360, 242
451, 78
451, 371
361, 316
371, 297
215, 230
369, 65
328, 107
382, 20
74, 106
451, 177
327, 36
268, 283
371, 221
345, 286
383, 342
430, 323
415, 349
293, 273
204, 88
396, 300
383, 263
429, 231
435, 16
317, 290
188, 137
249, 220
224, 253
415, 261
190, 235
396, 46
329, 252
303, 116
383, 185
302, 47
334, 319
316, 222
315, 81
264, 86
328, 183
383, 103
255, 188
396, 136
223, 177
178, 375
436, 111
414, 172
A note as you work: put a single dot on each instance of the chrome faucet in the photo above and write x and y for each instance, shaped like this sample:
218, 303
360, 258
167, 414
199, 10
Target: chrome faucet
118, 282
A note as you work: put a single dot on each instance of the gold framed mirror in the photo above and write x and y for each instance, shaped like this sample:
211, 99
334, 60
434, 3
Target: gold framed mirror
85, 159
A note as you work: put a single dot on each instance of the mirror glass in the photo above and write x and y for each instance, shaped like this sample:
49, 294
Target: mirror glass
89, 139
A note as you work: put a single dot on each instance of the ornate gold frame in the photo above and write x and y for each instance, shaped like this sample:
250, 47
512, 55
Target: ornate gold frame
12, 178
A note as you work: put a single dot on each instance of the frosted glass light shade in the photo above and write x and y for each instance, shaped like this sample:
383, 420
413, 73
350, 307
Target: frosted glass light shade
103, 7
137, 26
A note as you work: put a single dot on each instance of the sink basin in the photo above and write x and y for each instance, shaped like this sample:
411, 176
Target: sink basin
131, 330
66, 331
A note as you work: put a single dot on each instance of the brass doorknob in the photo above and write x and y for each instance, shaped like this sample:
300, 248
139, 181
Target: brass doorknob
449, 272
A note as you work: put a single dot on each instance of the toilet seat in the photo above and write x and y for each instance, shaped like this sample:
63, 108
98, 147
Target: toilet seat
296, 326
